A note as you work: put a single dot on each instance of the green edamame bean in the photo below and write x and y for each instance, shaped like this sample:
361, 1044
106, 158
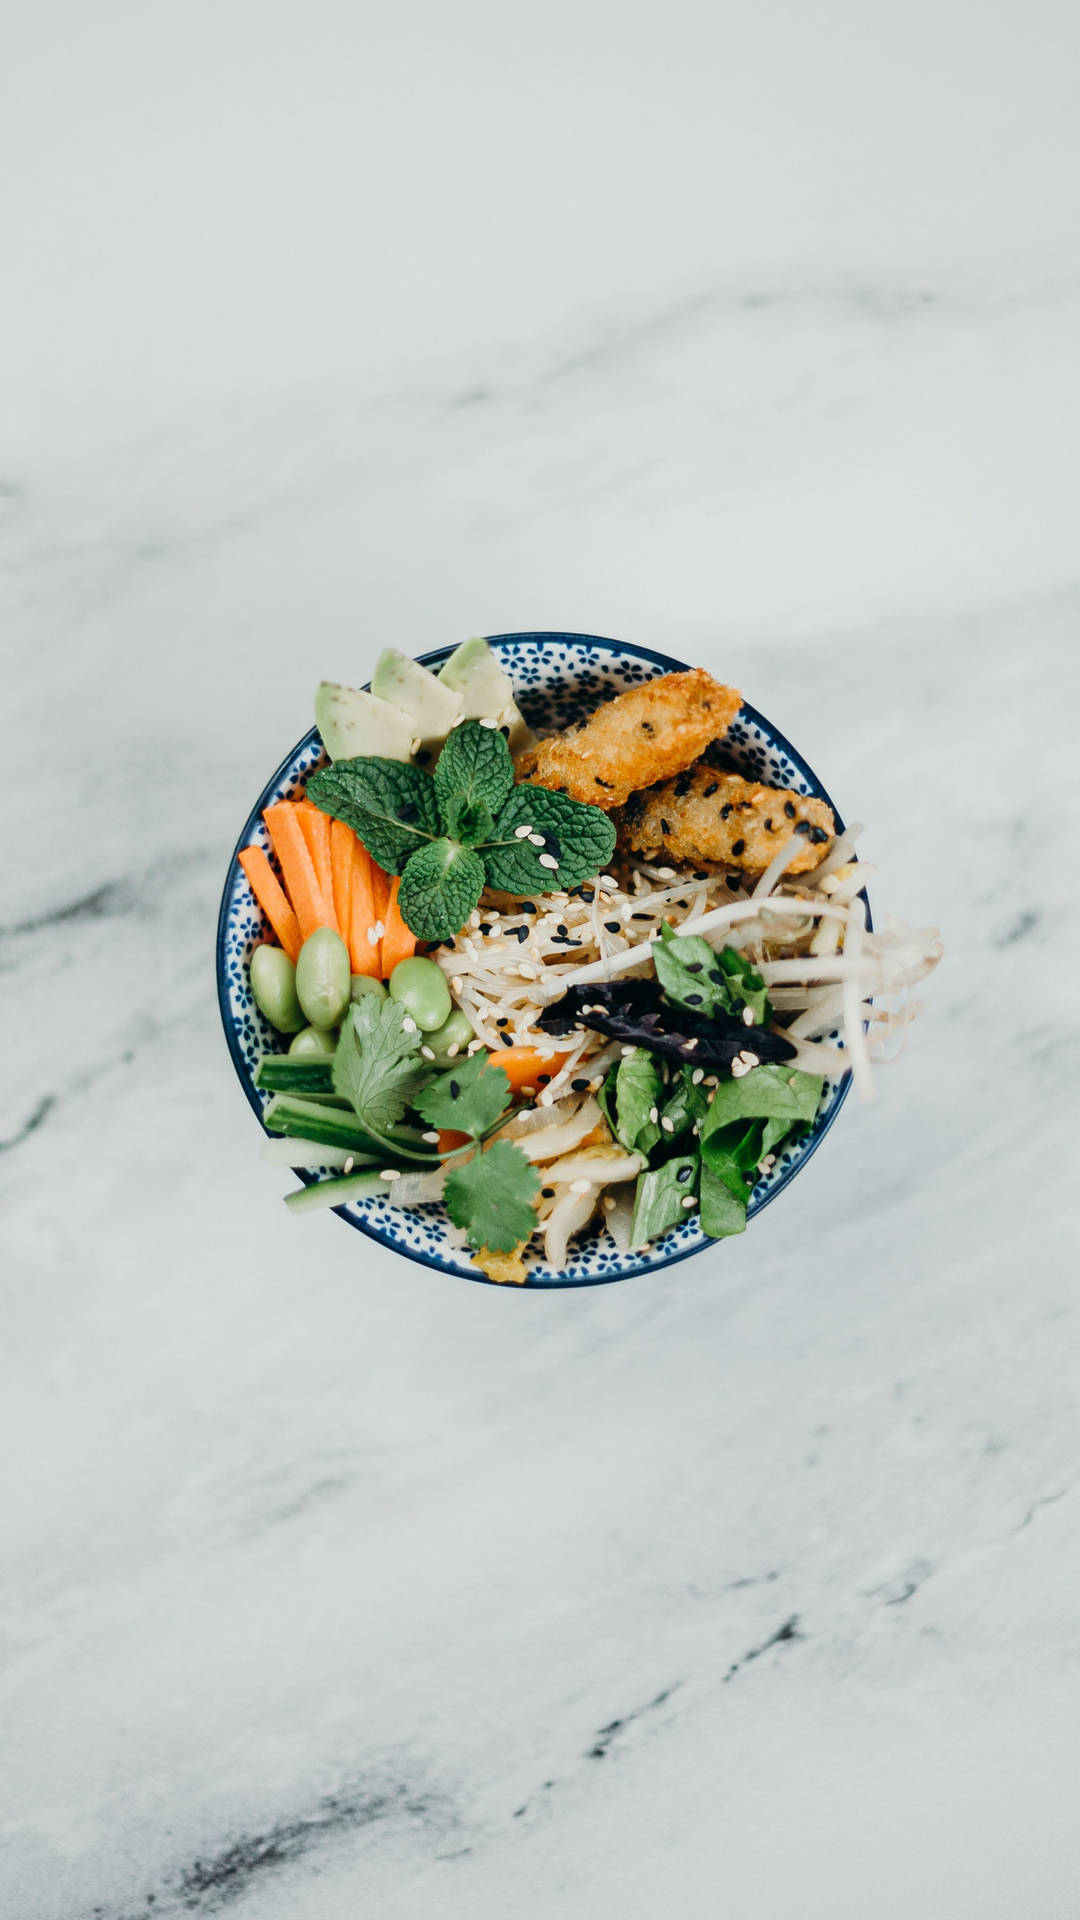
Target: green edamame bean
362, 983
322, 977
420, 987
313, 1040
455, 1032
273, 985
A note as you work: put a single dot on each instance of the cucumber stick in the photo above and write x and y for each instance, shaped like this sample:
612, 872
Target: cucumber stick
284, 1151
336, 1193
296, 1073
316, 1120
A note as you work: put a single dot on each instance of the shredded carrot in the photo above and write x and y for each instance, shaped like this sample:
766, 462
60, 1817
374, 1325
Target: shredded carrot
363, 952
341, 869
381, 884
523, 1065
297, 866
266, 887
315, 827
399, 941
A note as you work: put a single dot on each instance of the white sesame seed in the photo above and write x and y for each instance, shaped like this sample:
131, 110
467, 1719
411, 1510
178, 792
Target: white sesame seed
710, 1080
489, 723
739, 1068
627, 1050
751, 1059
474, 918
525, 972
415, 746
690, 1045
665, 873
668, 1125
474, 1046
349, 1165
530, 1091
409, 1026
535, 839
522, 833
605, 880
549, 860
689, 1200
748, 1016
580, 1186
373, 936
697, 1076
432, 1137
608, 1202
428, 1053
453, 1050
390, 1173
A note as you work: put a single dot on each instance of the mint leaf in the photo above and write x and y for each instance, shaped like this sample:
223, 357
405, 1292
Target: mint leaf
580, 839
389, 805
638, 1087
377, 1066
659, 1196
474, 762
745, 985
688, 970
470, 1097
468, 821
439, 889
491, 1197
723, 1211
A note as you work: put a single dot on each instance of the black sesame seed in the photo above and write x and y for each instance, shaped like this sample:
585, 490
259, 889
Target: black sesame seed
542, 1079
528, 906
665, 826
641, 916
734, 882
503, 1021
562, 929
646, 726
485, 926
695, 999
701, 876
507, 1039
738, 846
423, 757
789, 809
684, 1174
725, 810
683, 785
693, 966
612, 926
587, 895
769, 828
713, 787
454, 1090
603, 783
818, 835
803, 826
579, 1086
520, 933
547, 1193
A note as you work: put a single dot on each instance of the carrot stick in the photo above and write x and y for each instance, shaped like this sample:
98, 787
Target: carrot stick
380, 882
297, 866
363, 952
341, 868
264, 884
399, 941
448, 1139
524, 1065
315, 827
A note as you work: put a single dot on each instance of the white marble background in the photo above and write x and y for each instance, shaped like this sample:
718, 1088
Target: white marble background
330, 1587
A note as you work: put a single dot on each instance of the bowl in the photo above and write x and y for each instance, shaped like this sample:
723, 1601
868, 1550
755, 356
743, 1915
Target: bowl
558, 677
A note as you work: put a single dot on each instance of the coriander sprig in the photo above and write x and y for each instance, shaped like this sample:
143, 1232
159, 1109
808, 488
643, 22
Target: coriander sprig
468, 825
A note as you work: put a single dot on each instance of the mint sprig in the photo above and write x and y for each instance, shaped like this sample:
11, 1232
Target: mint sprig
449, 834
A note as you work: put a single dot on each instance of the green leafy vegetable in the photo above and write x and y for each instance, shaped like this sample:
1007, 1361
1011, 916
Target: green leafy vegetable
475, 763
491, 1197
768, 1092
579, 838
389, 804
723, 1212
439, 889
686, 1104
745, 985
747, 1119
605, 1100
470, 1097
687, 969
378, 1066
638, 1089
659, 1196
469, 821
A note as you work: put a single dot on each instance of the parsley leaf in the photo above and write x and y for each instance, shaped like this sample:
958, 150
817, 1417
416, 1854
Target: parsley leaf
439, 889
475, 762
377, 1066
390, 805
579, 838
491, 1197
638, 1088
470, 1097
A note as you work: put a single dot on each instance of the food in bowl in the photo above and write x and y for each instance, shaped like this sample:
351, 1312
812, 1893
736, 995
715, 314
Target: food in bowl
592, 981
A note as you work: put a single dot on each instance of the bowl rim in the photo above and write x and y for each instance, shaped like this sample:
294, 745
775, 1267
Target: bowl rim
635, 1265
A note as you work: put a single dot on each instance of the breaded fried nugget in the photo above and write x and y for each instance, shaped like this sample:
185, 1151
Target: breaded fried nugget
645, 735
710, 818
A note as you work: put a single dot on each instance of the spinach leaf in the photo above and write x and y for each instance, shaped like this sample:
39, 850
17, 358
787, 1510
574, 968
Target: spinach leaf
723, 1210
766, 1092
745, 984
685, 1105
659, 1196
687, 969
637, 1092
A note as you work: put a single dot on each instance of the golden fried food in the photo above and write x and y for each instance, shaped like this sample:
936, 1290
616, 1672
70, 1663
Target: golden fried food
709, 818
645, 735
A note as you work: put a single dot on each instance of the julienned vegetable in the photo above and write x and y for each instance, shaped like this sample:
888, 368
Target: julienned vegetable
512, 1072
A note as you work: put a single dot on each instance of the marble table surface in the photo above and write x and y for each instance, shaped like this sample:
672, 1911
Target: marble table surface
334, 1587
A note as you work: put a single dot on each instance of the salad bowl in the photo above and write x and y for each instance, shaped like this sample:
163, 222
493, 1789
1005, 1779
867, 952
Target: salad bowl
558, 678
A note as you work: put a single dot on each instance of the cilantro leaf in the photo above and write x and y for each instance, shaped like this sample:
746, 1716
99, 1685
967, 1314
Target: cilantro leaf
638, 1088
390, 806
377, 1066
440, 887
579, 838
687, 969
659, 1196
491, 1197
745, 984
476, 763
470, 1097
469, 821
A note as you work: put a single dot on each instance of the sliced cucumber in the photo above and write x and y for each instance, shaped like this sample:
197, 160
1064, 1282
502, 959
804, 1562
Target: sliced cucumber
317, 1120
296, 1073
486, 689
435, 708
281, 1151
352, 722
335, 1193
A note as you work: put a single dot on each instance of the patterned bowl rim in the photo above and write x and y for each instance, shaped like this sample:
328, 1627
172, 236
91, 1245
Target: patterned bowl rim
632, 1264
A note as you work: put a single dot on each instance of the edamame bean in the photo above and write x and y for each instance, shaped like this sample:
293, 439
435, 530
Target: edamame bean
322, 977
420, 987
362, 983
455, 1032
313, 1040
273, 985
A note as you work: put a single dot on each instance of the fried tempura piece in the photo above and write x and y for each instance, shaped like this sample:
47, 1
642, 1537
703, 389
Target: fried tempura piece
507, 1268
645, 735
709, 818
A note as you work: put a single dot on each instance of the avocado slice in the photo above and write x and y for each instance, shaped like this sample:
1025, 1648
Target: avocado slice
434, 708
352, 723
487, 690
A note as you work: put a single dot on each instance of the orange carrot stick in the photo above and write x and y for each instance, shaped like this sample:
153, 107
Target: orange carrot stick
297, 866
524, 1065
380, 882
315, 827
363, 951
448, 1139
341, 868
264, 884
399, 941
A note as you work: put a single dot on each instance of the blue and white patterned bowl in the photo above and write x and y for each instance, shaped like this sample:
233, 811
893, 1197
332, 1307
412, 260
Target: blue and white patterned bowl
558, 677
